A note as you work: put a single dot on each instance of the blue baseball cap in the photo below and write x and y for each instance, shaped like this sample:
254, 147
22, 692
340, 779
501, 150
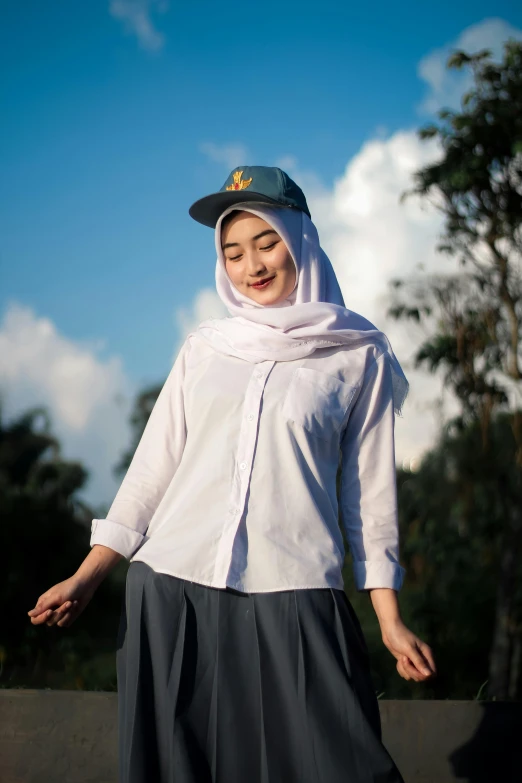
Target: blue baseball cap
267, 184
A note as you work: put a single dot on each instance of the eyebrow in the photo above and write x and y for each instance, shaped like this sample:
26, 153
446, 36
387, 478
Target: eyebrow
257, 236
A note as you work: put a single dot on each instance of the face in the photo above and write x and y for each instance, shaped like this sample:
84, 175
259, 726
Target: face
255, 253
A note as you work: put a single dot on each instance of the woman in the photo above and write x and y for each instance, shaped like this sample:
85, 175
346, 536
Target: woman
240, 657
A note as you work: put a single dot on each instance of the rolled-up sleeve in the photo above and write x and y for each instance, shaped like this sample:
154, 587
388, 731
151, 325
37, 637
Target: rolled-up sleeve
152, 468
368, 493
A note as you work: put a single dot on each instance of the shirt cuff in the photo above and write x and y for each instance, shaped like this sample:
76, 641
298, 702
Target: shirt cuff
118, 537
369, 574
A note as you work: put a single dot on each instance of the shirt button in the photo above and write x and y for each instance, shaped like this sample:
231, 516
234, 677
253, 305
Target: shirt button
250, 416
259, 374
242, 465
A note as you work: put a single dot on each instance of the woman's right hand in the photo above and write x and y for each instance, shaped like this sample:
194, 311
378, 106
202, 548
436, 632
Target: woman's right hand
63, 603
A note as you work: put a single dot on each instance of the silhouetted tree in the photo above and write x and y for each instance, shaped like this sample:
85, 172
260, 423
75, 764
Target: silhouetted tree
476, 340
44, 537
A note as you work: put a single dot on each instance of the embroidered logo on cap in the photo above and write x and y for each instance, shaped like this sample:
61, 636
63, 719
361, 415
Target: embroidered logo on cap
239, 184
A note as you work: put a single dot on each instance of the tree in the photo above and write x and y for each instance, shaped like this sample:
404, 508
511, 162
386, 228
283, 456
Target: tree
476, 344
45, 536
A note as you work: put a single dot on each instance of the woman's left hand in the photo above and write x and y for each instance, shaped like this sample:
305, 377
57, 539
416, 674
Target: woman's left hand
414, 657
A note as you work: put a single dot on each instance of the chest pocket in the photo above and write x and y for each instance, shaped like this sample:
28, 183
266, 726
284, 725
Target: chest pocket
317, 401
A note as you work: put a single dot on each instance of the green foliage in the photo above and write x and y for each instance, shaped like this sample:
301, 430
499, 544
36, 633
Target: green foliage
475, 317
478, 178
451, 517
44, 537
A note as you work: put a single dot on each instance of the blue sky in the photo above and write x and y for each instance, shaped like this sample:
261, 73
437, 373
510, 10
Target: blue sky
117, 115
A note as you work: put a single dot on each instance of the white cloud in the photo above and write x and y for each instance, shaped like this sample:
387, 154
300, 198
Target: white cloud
206, 304
136, 18
230, 155
88, 398
445, 87
370, 238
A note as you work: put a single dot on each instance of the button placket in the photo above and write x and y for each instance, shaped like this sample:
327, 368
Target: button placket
245, 455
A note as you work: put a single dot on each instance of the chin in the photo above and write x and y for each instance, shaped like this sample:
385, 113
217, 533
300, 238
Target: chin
265, 299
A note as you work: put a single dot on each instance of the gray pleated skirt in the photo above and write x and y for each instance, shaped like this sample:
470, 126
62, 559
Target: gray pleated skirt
216, 686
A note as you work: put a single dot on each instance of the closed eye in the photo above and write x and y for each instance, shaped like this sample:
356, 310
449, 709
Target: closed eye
269, 247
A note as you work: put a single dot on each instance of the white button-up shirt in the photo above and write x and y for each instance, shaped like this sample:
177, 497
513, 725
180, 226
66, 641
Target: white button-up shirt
233, 482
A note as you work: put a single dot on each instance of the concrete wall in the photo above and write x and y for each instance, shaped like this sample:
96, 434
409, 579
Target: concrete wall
70, 737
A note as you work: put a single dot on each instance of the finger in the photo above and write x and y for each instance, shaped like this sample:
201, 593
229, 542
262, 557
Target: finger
72, 613
401, 670
41, 618
417, 675
57, 614
43, 604
413, 671
407, 665
66, 620
428, 654
406, 668
418, 660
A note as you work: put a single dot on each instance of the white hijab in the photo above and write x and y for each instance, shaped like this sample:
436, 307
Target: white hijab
313, 316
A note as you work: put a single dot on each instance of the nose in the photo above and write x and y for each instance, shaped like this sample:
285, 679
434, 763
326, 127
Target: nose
255, 264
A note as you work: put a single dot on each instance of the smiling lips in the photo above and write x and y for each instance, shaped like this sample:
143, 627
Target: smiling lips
263, 283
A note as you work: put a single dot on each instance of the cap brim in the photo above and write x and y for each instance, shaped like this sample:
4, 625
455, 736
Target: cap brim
208, 209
